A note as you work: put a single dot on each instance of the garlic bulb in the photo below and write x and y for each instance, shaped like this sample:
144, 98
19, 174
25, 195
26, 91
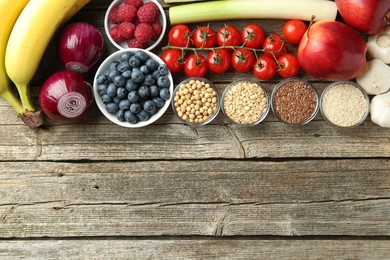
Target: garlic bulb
374, 78
380, 110
378, 45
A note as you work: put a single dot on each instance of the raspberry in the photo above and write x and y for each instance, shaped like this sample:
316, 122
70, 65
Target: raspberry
127, 30
133, 43
143, 32
113, 16
157, 28
152, 5
136, 3
115, 34
148, 13
126, 13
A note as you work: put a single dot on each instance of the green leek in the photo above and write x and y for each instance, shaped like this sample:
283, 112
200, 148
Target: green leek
222, 10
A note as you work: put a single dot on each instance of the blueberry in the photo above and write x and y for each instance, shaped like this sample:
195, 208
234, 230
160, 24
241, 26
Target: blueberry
134, 62
116, 100
165, 93
124, 104
102, 89
112, 74
119, 81
111, 90
125, 56
130, 85
154, 91
149, 80
112, 108
133, 96
156, 74
130, 117
141, 55
144, 70
120, 115
137, 76
113, 65
121, 93
126, 74
159, 102
151, 64
135, 108
163, 69
163, 82
150, 107
144, 92
106, 99
101, 79
143, 116
123, 66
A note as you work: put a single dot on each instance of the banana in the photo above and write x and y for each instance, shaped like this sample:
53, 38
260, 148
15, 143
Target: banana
30, 37
9, 12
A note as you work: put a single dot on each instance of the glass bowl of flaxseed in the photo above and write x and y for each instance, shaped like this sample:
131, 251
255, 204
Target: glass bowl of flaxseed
295, 101
245, 103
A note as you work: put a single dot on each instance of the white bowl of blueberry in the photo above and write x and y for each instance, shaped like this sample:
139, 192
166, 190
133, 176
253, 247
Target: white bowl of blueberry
133, 87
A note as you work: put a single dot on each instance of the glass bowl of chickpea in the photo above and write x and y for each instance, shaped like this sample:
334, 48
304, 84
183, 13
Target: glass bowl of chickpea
196, 101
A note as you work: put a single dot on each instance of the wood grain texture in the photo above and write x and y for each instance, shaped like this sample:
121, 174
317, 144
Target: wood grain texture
93, 190
219, 198
195, 249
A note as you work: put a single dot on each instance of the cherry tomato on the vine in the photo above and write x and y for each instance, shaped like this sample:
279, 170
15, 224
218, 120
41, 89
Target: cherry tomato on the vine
180, 35
288, 65
174, 59
252, 36
293, 31
219, 61
243, 60
195, 65
265, 68
228, 35
204, 37
273, 45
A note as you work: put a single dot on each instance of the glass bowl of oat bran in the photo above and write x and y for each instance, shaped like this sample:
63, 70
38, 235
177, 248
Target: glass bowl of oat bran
344, 104
245, 103
295, 101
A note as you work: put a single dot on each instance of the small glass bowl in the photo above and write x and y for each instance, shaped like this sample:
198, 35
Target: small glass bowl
294, 89
341, 95
251, 121
123, 45
192, 96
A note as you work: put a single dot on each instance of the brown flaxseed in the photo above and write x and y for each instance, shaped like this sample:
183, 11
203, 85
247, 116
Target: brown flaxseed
295, 102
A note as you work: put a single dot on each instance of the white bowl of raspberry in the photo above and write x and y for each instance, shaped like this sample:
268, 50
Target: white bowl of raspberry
135, 24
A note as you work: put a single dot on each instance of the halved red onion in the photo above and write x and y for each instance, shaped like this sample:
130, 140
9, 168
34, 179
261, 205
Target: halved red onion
80, 46
65, 96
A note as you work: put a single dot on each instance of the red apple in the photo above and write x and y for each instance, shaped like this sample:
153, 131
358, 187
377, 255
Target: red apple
368, 16
331, 50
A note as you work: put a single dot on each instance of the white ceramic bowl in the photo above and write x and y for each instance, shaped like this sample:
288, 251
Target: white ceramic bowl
105, 66
123, 45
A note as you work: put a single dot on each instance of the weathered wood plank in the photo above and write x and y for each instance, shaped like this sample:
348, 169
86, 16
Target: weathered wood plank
168, 139
213, 198
195, 249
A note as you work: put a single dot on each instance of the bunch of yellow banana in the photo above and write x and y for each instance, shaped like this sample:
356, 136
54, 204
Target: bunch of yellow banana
26, 29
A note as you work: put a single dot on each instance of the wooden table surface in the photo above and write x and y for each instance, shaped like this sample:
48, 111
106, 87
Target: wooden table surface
97, 190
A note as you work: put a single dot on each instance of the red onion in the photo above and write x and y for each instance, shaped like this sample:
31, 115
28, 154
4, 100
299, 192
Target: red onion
65, 96
80, 46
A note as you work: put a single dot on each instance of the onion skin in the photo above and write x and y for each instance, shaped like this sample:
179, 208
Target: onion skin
80, 46
65, 96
